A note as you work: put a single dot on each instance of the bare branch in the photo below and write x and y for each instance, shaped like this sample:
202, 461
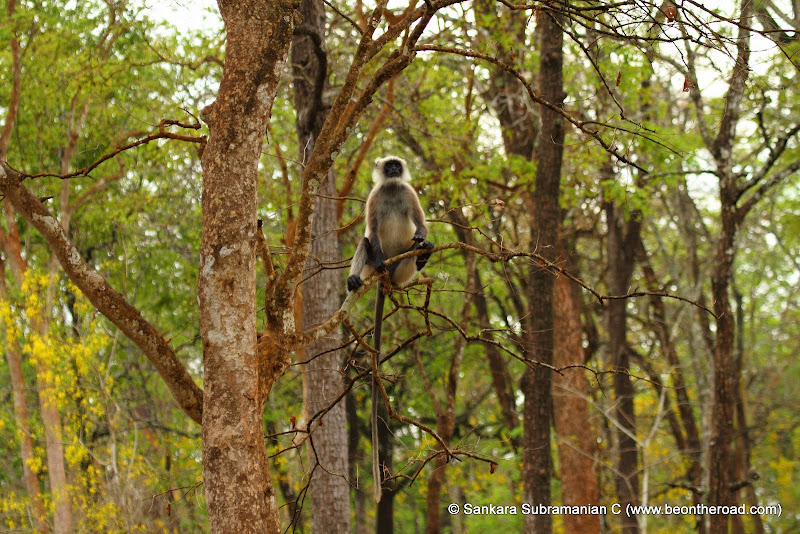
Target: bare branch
161, 134
504, 255
775, 152
336, 10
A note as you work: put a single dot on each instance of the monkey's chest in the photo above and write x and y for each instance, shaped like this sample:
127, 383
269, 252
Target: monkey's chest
396, 226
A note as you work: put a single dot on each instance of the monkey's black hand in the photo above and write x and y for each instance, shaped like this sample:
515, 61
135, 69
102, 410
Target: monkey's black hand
354, 282
380, 263
418, 238
422, 259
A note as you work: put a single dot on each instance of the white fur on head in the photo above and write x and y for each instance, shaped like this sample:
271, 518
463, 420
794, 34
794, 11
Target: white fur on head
378, 175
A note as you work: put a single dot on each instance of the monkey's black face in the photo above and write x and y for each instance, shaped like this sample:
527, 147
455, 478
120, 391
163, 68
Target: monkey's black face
392, 169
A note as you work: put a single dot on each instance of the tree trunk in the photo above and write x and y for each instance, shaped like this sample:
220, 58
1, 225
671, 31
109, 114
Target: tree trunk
501, 379
51, 419
30, 478
239, 492
329, 490
355, 454
537, 380
744, 444
725, 379
56, 470
621, 259
384, 522
10, 244
576, 448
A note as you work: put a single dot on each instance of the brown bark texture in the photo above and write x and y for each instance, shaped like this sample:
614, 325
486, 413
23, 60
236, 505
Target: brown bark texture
537, 380
576, 439
726, 378
621, 247
239, 492
328, 458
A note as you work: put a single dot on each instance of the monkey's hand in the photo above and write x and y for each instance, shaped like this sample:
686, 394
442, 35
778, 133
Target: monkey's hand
380, 262
422, 259
354, 282
419, 238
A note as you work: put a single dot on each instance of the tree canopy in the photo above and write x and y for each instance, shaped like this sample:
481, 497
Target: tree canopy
610, 314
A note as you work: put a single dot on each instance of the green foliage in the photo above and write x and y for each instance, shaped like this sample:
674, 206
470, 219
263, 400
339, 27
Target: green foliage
136, 220
134, 459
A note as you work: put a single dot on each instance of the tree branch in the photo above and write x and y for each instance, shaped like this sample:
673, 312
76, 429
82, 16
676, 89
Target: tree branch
759, 193
161, 134
581, 125
105, 298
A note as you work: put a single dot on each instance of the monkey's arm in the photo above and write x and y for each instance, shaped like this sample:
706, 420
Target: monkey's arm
418, 216
376, 256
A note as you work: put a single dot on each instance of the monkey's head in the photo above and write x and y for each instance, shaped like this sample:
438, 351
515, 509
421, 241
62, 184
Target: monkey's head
390, 168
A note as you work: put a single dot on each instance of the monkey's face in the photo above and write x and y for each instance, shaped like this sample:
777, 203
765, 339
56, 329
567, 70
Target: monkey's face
393, 168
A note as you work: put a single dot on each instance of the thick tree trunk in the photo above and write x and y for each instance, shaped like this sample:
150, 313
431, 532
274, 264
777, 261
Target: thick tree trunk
725, 376
726, 379
239, 492
537, 380
329, 491
576, 448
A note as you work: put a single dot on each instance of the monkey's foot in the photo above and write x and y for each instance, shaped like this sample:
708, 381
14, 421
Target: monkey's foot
354, 282
418, 238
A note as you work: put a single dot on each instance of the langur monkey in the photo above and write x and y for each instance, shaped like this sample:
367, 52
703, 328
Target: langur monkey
395, 224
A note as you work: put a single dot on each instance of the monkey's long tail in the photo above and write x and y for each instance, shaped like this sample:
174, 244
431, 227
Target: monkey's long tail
376, 396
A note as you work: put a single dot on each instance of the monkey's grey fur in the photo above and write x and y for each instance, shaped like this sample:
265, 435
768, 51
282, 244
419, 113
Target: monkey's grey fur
395, 224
